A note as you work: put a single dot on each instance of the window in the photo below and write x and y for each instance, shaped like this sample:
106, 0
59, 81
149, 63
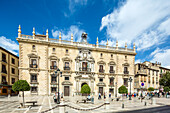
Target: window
34, 89
66, 78
111, 68
4, 90
13, 71
53, 89
138, 66
111, 81
13, 61
66, 64
53, 49
101, 79
4, 69
84, 65
66, 50
126, 82
33, 78
53, 79
33, 47
3, 57
125, 57
125, 69
101, 55
33, 63
53, 65
79, 51
3, 79
101, 68
13, 80
111, 55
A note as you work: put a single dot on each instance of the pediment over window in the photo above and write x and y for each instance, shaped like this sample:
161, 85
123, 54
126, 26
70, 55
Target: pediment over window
101, 62
126, 64
66, 83
53, 57
112, 63
101, 84
66, 59
32, 55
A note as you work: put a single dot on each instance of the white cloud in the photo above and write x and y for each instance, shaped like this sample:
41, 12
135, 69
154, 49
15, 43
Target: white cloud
66, 34
138, 61
161, 55
8, 44
141, 21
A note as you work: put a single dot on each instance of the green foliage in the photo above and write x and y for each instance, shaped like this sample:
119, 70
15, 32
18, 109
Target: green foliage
123, 90
85, 89
165, 80
151, 89
21, 85
166, 89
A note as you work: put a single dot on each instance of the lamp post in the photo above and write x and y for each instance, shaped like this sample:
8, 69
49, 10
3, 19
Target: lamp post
59, 73
130, 80
116, 89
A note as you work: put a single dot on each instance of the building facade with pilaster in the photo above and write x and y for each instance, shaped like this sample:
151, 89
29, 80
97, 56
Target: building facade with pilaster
103, 68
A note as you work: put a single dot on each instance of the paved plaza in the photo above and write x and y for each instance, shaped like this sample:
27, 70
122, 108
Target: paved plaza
10, 105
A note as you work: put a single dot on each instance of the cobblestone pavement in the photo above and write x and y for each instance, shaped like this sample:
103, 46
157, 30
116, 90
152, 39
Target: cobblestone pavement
10, 105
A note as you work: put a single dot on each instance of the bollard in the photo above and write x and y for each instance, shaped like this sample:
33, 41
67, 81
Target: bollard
153, 101
145, 103
107, 105
122, 105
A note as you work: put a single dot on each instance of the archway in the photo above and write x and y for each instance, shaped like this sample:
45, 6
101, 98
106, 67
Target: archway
83, 84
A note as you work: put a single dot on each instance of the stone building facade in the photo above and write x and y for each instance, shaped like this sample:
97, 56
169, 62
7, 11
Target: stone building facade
8, 71
149, 74
103, 68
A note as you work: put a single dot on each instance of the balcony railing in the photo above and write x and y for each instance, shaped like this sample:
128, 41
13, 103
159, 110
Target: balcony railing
126, 72
112, 71
33, 65
34, 81
5, 82
66, 68
4, 60
53, 67
4, 71
111, 84
85, 69
101, 71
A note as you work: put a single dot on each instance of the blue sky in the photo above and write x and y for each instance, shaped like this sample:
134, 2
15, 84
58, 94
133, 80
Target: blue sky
143, 22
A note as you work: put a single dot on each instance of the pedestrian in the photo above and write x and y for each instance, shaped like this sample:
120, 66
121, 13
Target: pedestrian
99, 96
109, 95
62, 95
55, 98
104, 96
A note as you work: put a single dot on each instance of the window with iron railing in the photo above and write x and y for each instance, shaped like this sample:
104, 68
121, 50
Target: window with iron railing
111, 69
53, 65
33, 78
101, 70
126, 82
126, 70
53, 89
66, 67
112, 81
34, 89
3, 57
13, 80
53, 79
4, 69
4, 80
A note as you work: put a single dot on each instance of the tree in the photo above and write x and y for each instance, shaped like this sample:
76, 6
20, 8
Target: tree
21, 85
165, 81
166, 89
123, 90
151, 89
85, 89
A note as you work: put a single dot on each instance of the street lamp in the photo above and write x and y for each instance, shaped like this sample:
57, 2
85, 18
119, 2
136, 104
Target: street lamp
130, 80
59, 75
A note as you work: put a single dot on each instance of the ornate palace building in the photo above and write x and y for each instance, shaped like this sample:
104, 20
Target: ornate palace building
103, 68
149, 74
8, 71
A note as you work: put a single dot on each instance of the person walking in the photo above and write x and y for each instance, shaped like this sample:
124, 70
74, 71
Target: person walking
55, 98
104, 96
109, 95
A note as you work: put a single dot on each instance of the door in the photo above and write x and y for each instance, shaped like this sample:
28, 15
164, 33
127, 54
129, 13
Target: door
101, 90
66, 90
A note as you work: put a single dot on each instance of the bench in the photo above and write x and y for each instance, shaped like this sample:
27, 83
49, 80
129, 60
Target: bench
117, 99
33, 102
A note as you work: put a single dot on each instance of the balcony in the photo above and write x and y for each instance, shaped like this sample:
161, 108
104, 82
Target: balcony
101, 71
66, 68
85, 69
142, 72
126, 72
33, 65
112, 71
54, 82
53, 67
111, 84
5, 82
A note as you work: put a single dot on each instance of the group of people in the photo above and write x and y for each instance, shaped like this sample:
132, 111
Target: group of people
104, 96
55, 96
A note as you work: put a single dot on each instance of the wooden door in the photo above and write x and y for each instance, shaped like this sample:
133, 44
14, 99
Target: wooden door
66, 90
101, 90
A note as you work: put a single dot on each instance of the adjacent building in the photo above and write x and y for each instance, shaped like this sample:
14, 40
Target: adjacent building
103, 68
8, 71
149, 74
